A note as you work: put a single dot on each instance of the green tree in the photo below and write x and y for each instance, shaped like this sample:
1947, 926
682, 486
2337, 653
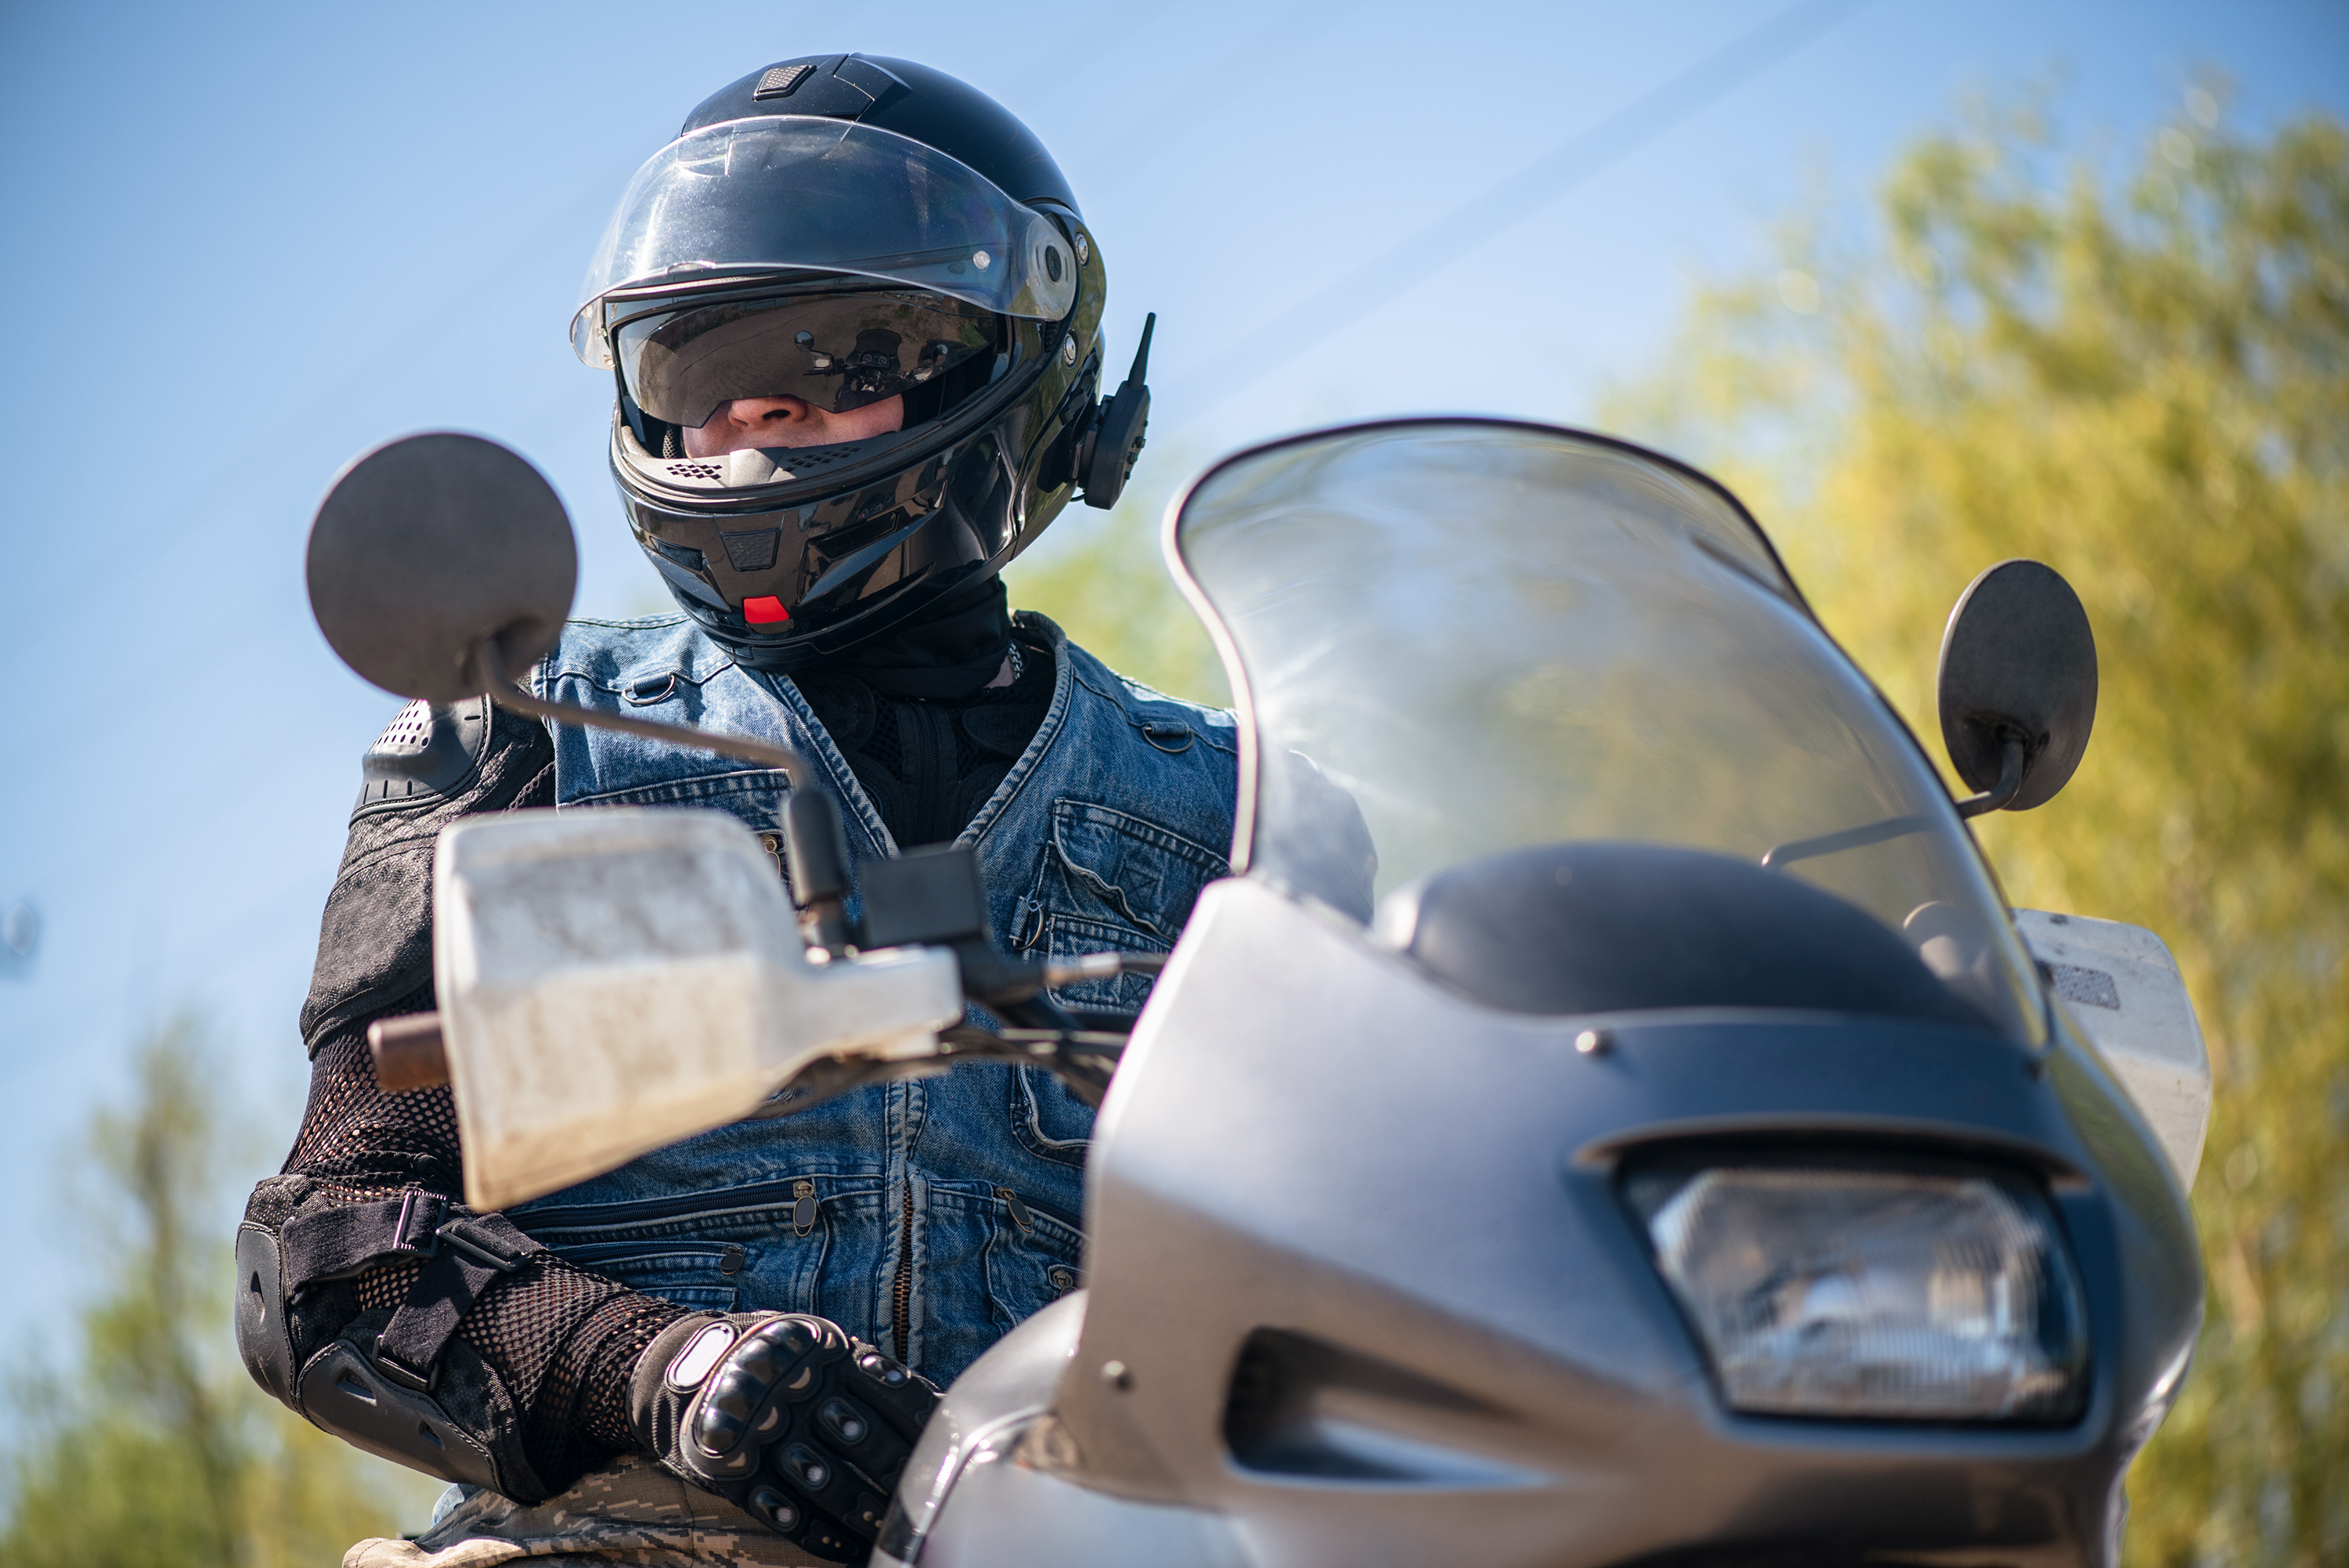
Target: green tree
151, 1447
1103, 580
2144, 381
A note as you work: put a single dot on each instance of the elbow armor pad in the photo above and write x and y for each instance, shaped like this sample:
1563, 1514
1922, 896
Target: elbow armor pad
342, 1391
392, 1382
263, 1336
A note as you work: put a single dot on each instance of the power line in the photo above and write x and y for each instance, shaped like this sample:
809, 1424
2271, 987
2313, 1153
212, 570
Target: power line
1136, 140
1453, 234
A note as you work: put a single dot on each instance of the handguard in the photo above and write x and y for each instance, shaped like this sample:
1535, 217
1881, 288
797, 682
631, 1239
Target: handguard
786, 1416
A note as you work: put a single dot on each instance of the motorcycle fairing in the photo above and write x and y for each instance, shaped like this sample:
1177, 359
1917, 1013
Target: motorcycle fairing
1365, 1283
985, 1449
1310, 1139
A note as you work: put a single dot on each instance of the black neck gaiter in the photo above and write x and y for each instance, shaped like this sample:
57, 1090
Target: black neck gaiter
953, 652
918, 723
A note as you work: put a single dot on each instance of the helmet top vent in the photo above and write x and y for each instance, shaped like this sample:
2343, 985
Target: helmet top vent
913, 100
782, 81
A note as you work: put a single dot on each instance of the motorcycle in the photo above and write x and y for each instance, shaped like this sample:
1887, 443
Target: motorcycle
1610, 1114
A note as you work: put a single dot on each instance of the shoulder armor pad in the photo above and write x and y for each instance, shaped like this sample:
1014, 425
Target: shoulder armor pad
426, 753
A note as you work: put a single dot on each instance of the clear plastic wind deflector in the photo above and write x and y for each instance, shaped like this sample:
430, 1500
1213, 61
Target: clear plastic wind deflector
1487, 637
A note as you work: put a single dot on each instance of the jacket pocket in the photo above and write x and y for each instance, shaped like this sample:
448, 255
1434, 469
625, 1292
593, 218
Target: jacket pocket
1033, 1259
1111, 879
697, 1275
761, 1247
754, 797
1048, 1122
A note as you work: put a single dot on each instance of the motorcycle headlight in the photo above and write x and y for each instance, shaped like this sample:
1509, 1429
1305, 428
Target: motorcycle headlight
1873, 1294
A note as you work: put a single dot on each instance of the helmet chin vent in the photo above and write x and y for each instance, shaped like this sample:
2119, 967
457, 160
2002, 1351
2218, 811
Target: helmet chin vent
683, 556
768, 465
805, 460
753, 551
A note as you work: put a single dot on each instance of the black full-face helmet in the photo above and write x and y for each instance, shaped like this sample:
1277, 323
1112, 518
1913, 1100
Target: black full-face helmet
879, 272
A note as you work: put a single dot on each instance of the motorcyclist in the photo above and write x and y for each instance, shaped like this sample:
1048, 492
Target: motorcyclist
853, 315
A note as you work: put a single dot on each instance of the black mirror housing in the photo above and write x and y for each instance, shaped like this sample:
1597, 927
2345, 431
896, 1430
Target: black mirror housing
2018, 664
432, 546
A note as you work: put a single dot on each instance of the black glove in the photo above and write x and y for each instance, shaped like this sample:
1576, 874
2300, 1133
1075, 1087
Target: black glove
785, 1416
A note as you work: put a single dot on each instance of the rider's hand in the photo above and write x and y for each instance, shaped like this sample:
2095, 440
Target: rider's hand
785, 1415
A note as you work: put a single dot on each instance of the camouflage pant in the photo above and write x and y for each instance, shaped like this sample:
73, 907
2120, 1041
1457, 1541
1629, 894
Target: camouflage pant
631, 1511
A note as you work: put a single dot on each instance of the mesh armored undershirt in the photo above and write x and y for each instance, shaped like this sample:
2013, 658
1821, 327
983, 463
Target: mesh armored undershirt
929, 764
563, 1340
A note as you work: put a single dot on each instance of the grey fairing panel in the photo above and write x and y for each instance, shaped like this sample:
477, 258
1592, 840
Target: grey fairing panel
984, 1485
341, 1393
1308, 1136
1009, 1508
1012, 1382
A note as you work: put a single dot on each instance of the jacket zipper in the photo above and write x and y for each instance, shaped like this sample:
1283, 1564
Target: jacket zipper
803, 1208
901, 1302
1019, 1211
591, 1218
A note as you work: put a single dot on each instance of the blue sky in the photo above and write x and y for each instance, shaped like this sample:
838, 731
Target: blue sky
247, 242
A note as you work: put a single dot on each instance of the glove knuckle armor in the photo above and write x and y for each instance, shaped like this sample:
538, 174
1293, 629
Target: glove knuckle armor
785, 1415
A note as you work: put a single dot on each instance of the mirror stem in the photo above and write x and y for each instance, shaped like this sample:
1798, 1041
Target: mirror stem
2010, 781
506, 695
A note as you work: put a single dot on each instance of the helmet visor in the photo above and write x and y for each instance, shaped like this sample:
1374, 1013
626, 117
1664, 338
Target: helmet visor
793, 192
837, 352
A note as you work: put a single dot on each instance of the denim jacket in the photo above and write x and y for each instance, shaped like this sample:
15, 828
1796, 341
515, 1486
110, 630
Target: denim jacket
941, 1210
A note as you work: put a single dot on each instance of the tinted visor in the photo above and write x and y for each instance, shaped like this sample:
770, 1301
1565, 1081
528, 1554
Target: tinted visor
835, 352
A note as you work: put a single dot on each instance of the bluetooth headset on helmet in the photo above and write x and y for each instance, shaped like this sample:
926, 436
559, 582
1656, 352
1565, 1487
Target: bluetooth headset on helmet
845, 230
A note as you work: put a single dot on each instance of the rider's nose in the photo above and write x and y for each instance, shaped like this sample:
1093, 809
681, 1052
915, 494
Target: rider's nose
752, 413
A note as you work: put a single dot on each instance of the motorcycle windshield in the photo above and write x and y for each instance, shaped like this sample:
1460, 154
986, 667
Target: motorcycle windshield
1455, 639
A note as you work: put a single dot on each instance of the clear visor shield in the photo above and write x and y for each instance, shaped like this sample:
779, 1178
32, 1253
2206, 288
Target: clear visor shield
793, 192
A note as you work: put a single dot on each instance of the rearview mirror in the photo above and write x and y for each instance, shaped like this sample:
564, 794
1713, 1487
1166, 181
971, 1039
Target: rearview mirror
442, 566
432, 548
2018, 687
